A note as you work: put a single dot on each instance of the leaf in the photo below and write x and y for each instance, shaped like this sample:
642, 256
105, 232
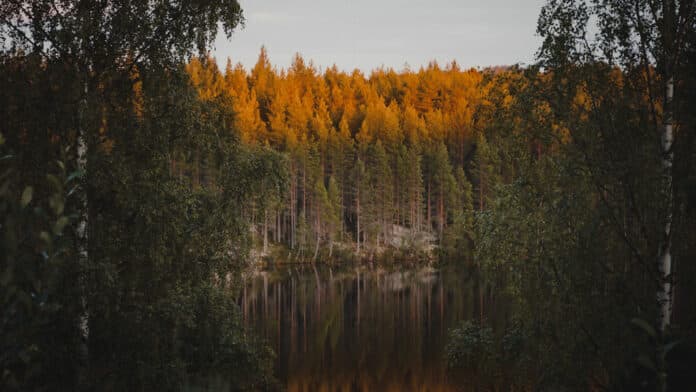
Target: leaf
26, 196
60, 225
55, 183
669, 346
74, 175
46, 237
645, 326
57, 204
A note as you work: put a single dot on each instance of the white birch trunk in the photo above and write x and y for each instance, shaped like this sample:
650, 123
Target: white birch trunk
664, 294
82, 239
82, 236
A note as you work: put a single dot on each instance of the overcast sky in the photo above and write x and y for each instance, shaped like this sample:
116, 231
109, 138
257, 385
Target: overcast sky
368, 34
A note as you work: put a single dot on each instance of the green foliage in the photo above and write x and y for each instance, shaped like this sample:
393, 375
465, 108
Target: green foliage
168, 251
470, 346
335, 207
572, 203
166, 183
489, 358
37, 337
458, 241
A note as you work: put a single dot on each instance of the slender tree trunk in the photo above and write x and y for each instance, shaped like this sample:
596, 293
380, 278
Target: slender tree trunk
428, 208
304, 192
419, 208
265, 231
318, 231
253, 223
293, 211
357, 217
279, 226
83, 240
664, 258
442, 210
664, 294
316, 249
412, 214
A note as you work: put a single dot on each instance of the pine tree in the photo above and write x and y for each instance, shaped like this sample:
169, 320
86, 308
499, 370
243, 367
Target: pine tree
335, 215
322, 214
444, 185
379, 203
360, 195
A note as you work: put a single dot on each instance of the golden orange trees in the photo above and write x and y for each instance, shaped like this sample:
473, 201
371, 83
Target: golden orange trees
419, 123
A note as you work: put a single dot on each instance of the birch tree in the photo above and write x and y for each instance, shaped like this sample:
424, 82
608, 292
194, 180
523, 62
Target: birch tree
97, 41
645, 38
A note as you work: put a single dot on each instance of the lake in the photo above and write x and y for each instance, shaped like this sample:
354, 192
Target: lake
362, 328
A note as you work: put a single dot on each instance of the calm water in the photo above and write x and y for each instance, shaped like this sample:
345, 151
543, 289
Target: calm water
361, 329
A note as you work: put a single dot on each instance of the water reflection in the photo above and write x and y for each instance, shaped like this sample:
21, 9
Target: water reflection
361, 329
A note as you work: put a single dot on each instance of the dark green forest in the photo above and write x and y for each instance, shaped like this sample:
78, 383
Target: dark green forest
141, 185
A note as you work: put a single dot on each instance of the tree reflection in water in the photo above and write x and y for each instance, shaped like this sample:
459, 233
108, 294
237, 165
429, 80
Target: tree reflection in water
361, 328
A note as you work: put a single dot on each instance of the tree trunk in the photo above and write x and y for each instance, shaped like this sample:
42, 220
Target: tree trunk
664, 293
316, 249
304, 192
357, 217
279, 226
412, 211
265, 231
293, 212
442, 210
318, 231
83, 240
428, 209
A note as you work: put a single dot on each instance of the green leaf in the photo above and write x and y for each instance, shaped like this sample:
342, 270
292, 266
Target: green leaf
46, 237
56, 184
644, 326
74, 175
60, 225
57, 204
26, 196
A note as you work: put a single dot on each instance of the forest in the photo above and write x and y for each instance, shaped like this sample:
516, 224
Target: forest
167, 224
385, 161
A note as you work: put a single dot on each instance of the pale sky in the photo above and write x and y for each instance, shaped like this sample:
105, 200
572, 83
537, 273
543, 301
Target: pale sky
369, 34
